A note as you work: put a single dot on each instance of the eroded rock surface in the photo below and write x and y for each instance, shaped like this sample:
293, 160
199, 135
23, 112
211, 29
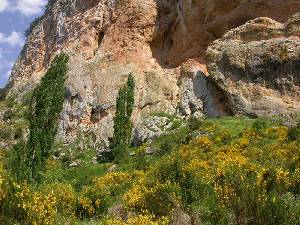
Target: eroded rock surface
185, 28
257, 67
163, 42
154, 126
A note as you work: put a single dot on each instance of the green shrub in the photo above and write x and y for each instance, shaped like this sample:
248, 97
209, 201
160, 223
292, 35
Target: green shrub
165, 143
194, 123
4, 91
17, 161
10, 102
8, 115
18, 134
5, 134
2, 94
294, 133
259, 125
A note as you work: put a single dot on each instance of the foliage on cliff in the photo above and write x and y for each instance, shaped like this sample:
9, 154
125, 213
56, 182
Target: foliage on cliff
217, 173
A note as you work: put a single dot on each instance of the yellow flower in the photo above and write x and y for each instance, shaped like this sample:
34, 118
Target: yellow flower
87, 205
243, 142
283, 178
141, 219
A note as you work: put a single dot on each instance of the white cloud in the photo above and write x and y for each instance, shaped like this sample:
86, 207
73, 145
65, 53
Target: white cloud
30, 7
25, 7
14, 39
4, 5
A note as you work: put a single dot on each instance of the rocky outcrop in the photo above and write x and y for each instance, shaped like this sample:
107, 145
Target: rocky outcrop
257, 67
185, 28
163, 42
199, 95
154, 126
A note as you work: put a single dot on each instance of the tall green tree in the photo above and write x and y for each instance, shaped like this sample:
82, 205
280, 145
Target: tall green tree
46, 105
122, 120
44, 111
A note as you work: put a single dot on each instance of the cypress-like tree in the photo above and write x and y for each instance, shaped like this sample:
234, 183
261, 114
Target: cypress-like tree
45, 107
122, 120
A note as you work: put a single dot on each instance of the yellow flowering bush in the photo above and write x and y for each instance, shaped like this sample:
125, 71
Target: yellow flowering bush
25, 206
65, 197
113, 181
86, 206
150, 195
94, 198
245, 173
244, 142
249, 176
279, 133
141, 219
41, 209
203, 142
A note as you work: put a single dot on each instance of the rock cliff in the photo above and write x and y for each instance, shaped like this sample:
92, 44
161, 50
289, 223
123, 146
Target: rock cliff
252, 69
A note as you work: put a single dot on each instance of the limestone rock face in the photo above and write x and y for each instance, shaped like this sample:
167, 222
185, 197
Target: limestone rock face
186, 27
154, 126
163, 42
257, 67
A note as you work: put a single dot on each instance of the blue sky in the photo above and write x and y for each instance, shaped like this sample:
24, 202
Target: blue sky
15, 17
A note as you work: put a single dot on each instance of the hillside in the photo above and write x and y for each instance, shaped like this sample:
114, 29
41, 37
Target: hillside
183, 54
220, 171
154, 112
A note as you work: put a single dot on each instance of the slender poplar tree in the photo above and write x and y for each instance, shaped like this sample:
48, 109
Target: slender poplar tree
45, 107
122, 120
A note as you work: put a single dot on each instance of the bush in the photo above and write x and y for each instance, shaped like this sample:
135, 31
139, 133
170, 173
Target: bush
96, 198
4, 91
65, 197
17, 159
194, 123
250, 178
150, 195
140, 219
165, 143
5, 134
8, 115
259, 125
2, 94
294, 133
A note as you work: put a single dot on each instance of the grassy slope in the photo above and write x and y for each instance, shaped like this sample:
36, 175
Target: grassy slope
225, 133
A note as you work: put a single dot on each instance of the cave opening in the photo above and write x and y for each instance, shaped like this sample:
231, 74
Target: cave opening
183, 32
97, 114
100, 37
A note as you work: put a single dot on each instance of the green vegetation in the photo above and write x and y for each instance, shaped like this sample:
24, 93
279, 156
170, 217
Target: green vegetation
213, 170
12, 125
4, 91
33, 24
232, 124
29, 159
122, 120
294, 132
2, 94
